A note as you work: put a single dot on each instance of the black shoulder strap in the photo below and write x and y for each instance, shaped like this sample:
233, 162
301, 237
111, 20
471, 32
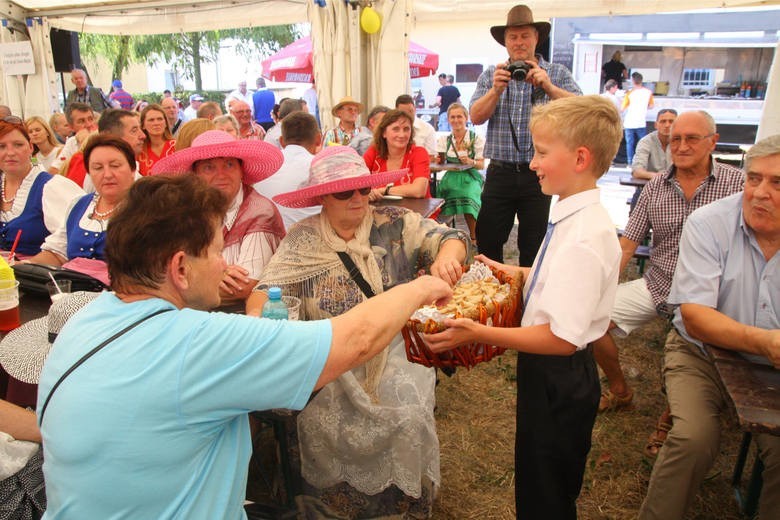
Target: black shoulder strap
92, 353
354, 273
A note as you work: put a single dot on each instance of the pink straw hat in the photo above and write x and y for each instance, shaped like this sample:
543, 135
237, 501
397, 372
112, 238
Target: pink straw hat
260, 159
335, 169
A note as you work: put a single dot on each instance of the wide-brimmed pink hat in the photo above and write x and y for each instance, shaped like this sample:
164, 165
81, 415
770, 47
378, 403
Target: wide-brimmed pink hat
260, 159
335, 169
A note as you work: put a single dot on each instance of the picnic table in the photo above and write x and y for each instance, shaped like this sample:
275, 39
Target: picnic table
425, 207
638, 184
754, 388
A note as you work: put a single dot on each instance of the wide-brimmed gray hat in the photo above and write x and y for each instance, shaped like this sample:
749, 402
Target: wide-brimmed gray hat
23, 350
519, 16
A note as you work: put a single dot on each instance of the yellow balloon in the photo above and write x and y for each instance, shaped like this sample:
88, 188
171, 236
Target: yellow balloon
369, 20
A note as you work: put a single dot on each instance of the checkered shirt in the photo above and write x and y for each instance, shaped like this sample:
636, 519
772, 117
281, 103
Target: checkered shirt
255, 133
514, 106
663, 208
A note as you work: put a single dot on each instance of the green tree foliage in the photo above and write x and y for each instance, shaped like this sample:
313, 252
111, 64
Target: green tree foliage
188, 50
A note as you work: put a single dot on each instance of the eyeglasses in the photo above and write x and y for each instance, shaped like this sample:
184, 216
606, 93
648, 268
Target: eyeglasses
13, 120
346, 195
692, 140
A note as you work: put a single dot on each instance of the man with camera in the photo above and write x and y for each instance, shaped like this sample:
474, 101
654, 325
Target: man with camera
504, 97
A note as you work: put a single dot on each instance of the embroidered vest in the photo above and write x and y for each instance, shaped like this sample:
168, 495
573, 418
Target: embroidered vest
257, 214
31, 223
83, 243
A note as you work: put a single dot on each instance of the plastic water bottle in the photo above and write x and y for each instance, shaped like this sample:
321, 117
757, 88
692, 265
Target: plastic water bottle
275, 308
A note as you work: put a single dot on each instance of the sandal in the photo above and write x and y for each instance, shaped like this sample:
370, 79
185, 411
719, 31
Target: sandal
610, 402
658, 437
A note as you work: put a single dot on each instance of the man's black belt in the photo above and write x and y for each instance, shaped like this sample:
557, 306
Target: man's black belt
505, 165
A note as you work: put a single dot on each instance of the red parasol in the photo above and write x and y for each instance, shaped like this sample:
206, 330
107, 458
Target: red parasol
294, 62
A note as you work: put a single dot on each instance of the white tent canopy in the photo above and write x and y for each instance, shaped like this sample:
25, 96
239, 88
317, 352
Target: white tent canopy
349, 60
167, 16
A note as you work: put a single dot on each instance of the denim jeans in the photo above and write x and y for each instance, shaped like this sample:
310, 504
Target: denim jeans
633, 135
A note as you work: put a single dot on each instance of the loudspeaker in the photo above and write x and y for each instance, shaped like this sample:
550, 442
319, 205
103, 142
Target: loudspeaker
65, 48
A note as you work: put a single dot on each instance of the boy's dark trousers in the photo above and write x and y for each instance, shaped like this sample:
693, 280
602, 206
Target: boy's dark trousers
557, 402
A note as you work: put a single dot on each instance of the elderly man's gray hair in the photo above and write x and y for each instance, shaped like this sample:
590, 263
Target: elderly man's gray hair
764, 148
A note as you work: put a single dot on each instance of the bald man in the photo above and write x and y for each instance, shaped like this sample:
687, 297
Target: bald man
171, 108
84, 93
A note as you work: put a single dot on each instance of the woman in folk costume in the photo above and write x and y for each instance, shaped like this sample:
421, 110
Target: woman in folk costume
368, 441
253, 226
461, 190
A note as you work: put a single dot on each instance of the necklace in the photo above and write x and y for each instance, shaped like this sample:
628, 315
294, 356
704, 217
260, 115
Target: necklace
98, 214
2, 193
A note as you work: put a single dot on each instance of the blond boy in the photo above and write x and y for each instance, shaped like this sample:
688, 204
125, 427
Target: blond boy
568, 296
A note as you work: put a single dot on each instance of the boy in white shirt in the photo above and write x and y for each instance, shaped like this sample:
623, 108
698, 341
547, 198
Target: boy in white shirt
568, 295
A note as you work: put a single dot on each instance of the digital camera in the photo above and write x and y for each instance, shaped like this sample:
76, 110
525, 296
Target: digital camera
518, 69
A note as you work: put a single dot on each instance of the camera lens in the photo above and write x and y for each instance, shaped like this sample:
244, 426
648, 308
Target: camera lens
519, 74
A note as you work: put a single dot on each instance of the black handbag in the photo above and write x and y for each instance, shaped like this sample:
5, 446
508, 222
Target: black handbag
33, 278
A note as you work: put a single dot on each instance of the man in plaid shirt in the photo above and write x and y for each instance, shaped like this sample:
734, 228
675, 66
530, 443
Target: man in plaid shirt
694, 180
511, 188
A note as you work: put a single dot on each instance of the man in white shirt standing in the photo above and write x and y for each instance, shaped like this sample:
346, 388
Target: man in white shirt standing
241, 94
191, 112
635, 105
300, 140
424, 133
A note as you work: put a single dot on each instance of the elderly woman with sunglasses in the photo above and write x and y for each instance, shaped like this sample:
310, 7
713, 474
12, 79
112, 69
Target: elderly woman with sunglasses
253, 226
368, 440
34, 202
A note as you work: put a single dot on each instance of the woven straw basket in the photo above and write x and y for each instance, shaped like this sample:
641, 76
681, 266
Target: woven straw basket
504, 314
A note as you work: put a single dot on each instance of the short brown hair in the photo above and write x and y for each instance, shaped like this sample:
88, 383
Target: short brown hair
76, 106
389, 118
589, 121
161, 216
209, 110
300, 128
111, 141
404, 99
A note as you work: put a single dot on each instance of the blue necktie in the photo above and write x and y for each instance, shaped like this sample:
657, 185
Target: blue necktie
546, 242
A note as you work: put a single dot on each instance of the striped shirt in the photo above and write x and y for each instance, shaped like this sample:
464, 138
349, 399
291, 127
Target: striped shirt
514, 108
662, 207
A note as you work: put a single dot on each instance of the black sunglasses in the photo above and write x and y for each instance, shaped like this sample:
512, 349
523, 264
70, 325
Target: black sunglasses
13, 120
346, 195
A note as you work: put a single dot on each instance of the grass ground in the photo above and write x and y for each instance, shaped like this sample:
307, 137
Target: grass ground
476, 421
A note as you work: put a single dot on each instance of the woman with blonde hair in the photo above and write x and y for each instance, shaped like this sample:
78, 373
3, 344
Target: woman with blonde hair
45, 145
227, 123
159, 140
192, 129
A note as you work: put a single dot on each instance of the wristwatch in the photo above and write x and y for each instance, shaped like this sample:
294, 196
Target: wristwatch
387, 189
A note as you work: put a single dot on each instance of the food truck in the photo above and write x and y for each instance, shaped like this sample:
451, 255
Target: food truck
713, 61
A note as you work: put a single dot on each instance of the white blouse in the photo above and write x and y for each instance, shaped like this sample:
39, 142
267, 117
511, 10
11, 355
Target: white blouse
47, 160
57, 196
254, 251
